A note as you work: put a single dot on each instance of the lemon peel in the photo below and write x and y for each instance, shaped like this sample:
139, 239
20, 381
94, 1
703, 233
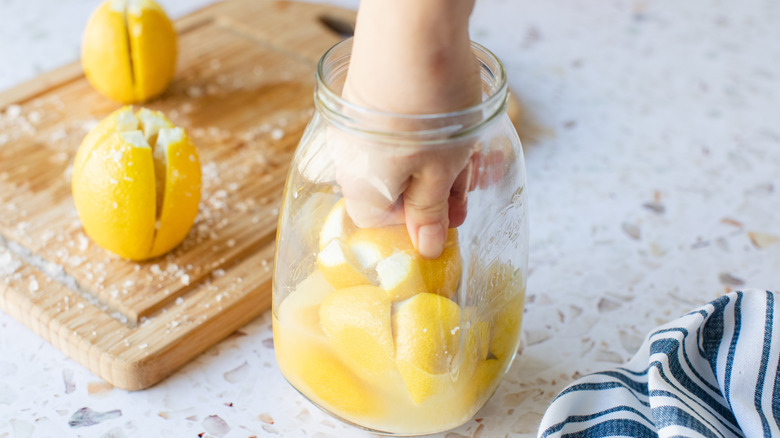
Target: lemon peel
136, 184
427, 339
128, 50
358, 324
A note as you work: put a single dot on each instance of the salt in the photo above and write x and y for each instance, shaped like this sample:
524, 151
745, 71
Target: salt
13, 111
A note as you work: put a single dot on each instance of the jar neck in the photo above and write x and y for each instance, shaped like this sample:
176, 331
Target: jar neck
426, 128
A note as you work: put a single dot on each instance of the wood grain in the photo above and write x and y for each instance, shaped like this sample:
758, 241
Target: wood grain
244, 93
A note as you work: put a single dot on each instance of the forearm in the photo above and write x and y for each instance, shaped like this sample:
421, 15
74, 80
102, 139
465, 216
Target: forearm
413, 56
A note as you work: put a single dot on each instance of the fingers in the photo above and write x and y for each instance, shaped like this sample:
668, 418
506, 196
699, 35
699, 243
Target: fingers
459, 197
426, 210
371, 180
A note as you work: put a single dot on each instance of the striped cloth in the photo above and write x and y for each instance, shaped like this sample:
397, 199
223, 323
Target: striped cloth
712, 373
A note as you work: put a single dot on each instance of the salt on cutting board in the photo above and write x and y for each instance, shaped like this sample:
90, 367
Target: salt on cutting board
243, 91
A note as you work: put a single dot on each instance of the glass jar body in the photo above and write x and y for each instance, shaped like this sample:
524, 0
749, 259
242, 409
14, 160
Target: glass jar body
366, 328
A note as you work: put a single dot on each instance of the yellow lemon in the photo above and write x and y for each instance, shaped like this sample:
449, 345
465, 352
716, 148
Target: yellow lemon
357, 322
136, 184
336, 262
338, 266
128, 50
400, 270
400, 276
482, 384
474, 346
319, 374
301, 308
337, 226
427, 337
505, 336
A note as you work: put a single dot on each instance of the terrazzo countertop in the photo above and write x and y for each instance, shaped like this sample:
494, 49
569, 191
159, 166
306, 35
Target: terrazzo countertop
652, 140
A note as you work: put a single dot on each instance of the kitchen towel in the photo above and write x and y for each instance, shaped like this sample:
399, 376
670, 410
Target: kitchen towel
711, 373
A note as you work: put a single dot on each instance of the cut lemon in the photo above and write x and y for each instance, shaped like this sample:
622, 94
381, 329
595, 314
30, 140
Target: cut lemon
337, 225
136, 184
338, 267
128, 50
400, 270
320, 375
301, 308
400, 277
357, 322
427, 335
505, 336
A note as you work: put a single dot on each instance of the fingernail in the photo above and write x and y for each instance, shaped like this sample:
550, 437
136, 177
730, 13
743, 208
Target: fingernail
430, 240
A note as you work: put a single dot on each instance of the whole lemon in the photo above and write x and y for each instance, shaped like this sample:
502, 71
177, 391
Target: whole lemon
128, 50
136, 184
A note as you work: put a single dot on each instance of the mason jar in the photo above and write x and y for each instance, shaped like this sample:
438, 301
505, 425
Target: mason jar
364, 326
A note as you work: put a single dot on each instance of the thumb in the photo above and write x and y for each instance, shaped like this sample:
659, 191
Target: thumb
427, 213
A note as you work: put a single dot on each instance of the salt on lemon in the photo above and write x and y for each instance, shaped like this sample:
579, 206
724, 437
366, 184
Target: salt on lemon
128, 50
136, 184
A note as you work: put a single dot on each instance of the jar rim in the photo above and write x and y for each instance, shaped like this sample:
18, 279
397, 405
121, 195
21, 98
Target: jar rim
492, 105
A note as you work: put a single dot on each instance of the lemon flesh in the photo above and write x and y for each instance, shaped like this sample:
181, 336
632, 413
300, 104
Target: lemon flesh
136, 184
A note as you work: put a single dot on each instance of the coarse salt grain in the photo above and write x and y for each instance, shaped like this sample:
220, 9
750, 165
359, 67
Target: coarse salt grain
13, 111
34, 117
83, 242
277, 134
179, 300
185, 279
33, 284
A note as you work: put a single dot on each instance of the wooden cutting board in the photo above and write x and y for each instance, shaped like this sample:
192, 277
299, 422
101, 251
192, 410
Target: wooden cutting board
243, 91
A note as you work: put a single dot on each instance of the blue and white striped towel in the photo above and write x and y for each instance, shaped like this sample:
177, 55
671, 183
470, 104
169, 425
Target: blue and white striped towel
712, 373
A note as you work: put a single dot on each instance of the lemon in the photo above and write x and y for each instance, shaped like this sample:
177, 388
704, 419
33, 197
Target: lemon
319, 374
475, 344
505, 335
400, 270
337, 225
351, 256
339, 268
128, 50
136, 184
427, 334
357, 322
336, 262
400, 276
301, 308
307, 361
483, 382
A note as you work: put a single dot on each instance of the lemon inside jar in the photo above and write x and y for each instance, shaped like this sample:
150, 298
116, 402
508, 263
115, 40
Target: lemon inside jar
380, 337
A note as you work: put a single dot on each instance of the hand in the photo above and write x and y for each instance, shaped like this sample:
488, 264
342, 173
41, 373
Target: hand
409, 57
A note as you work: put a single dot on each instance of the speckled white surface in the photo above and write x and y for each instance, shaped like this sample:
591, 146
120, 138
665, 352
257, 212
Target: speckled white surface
653, 153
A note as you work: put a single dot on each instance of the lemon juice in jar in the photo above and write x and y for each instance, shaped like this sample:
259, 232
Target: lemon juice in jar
364, 326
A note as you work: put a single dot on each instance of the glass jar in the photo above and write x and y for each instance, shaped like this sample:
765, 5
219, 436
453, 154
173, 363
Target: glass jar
366, 328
